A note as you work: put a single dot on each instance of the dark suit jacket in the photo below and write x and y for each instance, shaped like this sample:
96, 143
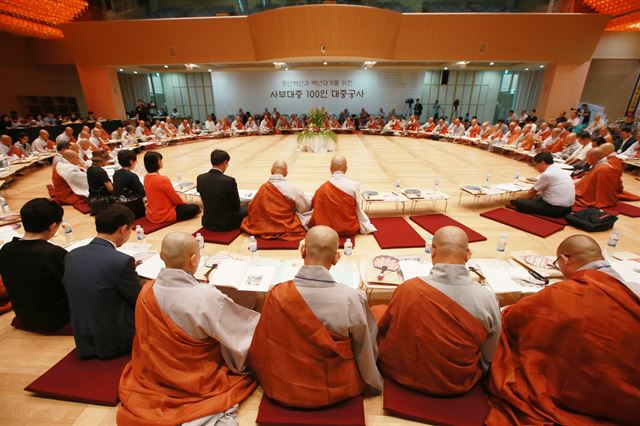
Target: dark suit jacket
626, 145
219, 194
102, 286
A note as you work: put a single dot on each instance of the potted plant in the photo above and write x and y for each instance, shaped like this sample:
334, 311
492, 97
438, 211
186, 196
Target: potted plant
317, 138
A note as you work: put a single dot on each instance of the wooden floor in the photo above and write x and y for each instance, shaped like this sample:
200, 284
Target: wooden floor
375, 161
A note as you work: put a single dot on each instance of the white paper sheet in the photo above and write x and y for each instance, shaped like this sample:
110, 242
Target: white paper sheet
412, 269
507, 276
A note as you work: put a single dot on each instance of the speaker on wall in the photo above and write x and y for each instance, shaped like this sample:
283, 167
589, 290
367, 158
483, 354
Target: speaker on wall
445, 77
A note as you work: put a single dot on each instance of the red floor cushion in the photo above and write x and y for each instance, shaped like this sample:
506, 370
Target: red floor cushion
346, 413
218, 237
432, 222
468, 409
524, 222
91, 381
149, 226
82, 207
395, 232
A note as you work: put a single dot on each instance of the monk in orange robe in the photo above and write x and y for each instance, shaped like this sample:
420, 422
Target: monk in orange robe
439, 333
337, 203
62, 188
189, 350
314, 345
568, 354
600, 186
277, 210
474, 130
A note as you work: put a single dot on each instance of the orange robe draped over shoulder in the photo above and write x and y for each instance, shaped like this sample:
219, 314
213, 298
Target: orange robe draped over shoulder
63, 194
172, 377
272, 215
336, 209
474, 131
599, 187
298, 361
428, 342
569, 355
444, 130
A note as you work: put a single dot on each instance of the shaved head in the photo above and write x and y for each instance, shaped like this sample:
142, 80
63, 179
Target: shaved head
450, 245
594, 155
321, 246
338, 164
577, 251
71, 156
279, 167
178, 251
607, 148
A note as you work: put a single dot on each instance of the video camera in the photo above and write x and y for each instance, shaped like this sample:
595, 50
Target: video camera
408, 101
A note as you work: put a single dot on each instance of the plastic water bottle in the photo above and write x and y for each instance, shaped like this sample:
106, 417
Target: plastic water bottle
179, 177
253, 244
4, 205
398, 183
200, 240
614, 237
140, 235
502, 245
348, 247
68, 231
516, 178
487, 179
427, 245
436, 184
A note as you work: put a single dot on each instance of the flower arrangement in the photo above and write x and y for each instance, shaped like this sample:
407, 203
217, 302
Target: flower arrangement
316, 119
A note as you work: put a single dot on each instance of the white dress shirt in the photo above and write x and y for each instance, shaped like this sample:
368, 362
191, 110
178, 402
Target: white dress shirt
556, 187
40, 145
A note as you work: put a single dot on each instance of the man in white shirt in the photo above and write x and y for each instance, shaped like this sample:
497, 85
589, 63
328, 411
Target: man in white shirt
209, 124
595, 125
553, 194
574, 120
571, 145
66, 136
456, 128
579, 155
251, 127
41, 143
200, 377
117, 134
266, 126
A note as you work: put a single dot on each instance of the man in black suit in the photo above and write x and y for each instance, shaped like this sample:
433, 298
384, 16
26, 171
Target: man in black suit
219, 194
626, 140
102, 286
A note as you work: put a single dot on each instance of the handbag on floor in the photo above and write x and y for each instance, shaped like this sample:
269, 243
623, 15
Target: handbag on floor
591, 220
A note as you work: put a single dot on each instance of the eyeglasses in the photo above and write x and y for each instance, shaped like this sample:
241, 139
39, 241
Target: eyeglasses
555, 262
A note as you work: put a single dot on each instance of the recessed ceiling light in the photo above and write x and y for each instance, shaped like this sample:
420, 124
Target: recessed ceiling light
462, 62
491, 63
324, 62
526, 69
506, 71
135, 72
209, 70
446, 68
286, 69
541, 66
366, 68
166, 66
121, 70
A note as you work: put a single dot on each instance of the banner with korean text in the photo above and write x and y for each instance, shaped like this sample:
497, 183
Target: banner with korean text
297, 91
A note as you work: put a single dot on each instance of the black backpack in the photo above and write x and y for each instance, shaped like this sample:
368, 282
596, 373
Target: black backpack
591, 220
